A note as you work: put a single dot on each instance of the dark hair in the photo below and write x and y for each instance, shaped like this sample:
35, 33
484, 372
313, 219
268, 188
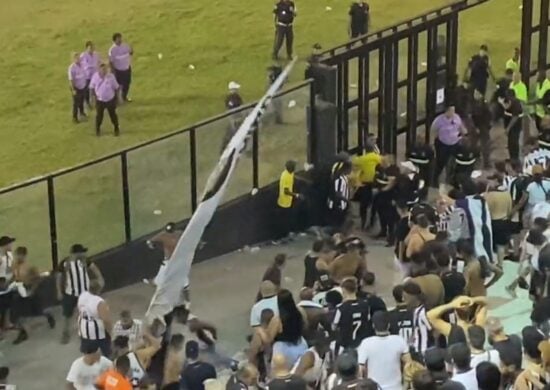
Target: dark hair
333, 298
397, 293
476, 335
508, 72
469, 187
422, 221
88, 44
121, 342
381, 321
461, 355
291, 319
488, 376
541, 223
423, 380
116, 36
535, 237
455, 194
89, 348
516, 165
412, 288
318, 245
531, 338
122, 364
456, 336
349, 285
367, 384
192, 350
435, 359
21, 251
369, 278
347, 365
280, 259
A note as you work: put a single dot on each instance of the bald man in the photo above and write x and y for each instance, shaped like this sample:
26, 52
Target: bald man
282, 378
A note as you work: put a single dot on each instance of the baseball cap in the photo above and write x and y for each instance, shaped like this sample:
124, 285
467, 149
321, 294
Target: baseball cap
233, 85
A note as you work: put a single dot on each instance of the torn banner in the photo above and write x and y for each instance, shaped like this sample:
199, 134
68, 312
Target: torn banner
176, 275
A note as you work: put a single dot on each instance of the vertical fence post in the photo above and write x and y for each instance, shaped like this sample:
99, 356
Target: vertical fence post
431, 81
312, 130
193, 164
526, 31
255, 152
412, 90
53, 222
543, 34
126, 196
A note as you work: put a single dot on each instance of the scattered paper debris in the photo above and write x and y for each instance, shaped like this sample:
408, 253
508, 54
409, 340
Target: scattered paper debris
327, 8
292, 103
159, 55
191, 66
157, 212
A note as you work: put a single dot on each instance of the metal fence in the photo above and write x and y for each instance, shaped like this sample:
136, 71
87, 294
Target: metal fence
535, 32
131, 193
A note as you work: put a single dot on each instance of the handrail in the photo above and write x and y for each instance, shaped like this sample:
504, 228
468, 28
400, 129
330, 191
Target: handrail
196, 126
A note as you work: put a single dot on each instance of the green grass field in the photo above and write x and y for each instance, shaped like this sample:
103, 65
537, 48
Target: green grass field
224, 41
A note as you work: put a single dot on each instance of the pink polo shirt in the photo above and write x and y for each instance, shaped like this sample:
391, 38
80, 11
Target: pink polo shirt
104, 87
77, 75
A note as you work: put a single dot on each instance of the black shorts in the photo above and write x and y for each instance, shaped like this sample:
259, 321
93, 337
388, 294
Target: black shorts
501, 232
68, 304
103, 344
516, 227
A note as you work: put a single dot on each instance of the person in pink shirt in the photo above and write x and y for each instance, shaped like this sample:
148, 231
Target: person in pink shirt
104, 90
90, 60
120, 57
77, 85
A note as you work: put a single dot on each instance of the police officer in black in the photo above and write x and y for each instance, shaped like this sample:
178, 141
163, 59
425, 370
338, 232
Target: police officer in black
513, 114
359, 18
465, 159
479, 69
285, 12
421, 154
233, 100
482, 119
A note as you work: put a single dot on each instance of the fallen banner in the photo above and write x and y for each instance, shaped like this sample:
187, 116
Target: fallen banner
175, 277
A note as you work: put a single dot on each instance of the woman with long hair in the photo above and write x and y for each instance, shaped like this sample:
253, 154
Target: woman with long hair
286, 329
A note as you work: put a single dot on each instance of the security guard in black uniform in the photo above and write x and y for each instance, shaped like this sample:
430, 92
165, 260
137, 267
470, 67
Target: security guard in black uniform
285, 12
359, 18
482, 119
465, 159
422, 155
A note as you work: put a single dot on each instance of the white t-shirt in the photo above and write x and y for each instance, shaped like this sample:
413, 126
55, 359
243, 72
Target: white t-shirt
540, 210
382, 357
468, 379
83, 376
491, 356
261, 305
537, 192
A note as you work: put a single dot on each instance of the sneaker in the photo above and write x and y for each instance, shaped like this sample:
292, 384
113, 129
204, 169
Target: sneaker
22, 336
511, 291
51, 321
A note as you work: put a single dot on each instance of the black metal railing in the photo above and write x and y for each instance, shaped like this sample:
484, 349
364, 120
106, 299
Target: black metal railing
133, 192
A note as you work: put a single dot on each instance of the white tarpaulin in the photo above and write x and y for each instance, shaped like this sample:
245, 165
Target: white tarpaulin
176, 274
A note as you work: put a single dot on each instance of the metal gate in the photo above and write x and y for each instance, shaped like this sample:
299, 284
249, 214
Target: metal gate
401, 77
535, 29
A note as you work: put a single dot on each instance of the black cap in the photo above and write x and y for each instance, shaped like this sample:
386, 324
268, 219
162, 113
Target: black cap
78, 248
5, 240
192, 349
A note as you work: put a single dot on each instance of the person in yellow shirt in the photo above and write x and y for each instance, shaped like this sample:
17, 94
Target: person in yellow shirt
513, 63
541, 88
287, 198
366, 165
519, 88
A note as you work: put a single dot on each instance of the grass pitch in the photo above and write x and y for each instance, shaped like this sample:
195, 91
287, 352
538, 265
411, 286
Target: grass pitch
223, 40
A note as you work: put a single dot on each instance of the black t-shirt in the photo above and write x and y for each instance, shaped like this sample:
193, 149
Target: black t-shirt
292, 382
350, 385
402, 230
454, 284
510, 350
353, 323
479, 66
374, 301
311, 274
401, 322
515, 110
359, 14
194, 374
285, 11
233, 100
421, 154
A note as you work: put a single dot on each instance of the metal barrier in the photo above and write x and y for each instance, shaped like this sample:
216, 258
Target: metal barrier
128, 194
535, 30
